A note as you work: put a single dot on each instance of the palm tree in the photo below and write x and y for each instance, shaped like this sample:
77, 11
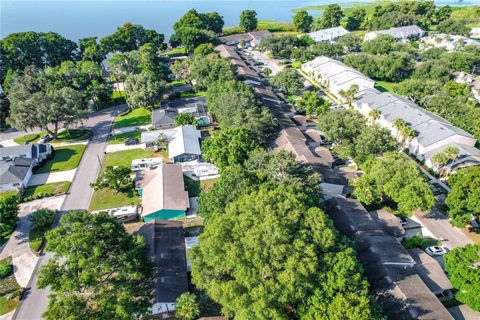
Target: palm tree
452, 153
398, 124
408, 134
440, 159
374, 115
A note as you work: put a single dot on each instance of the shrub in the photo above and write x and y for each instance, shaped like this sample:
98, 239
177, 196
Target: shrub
42, 219
6, 269
418, 242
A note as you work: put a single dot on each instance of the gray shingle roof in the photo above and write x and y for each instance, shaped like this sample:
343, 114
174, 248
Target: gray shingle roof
11, 173
14, 151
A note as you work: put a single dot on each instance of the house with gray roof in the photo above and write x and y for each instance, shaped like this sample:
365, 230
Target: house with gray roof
404, 33
17, 163
242, 70
388, 266
252, 38
432, 133
330, 34
335, 75
164, 117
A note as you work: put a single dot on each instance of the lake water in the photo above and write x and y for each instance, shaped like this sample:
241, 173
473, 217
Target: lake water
78, 19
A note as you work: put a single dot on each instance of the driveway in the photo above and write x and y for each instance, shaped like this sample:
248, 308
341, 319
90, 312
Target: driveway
24, 260
121, 147
51, 177
269, 62
35, 301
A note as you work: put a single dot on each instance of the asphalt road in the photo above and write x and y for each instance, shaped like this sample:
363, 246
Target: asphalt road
35, 301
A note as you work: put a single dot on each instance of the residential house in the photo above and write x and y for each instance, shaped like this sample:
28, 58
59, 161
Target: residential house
335, 76
472, 81
183, 142
404, 33
432, 133
164, 117
330, 34
17, 163
389, 268
448, 41
163, 193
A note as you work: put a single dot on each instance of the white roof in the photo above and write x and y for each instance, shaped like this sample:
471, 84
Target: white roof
182, 140
329, 34
147, 161
398, 33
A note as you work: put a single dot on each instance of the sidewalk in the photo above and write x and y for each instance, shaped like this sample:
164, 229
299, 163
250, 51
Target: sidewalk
64, 144
51, 177
24, 260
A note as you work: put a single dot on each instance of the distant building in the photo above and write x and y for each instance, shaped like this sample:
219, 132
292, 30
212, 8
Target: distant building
17, 163
432, 133
183, 142
250, 38
448, 41
405, 33
335, 75
330, 34
163, 193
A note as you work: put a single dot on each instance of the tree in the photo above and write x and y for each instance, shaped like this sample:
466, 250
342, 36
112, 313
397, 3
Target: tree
382, 44
131, 37
356, 19
91, 50
33, 103
272, 253
288, 80
443, 13
150, 62
107, 276
248, 20
208, 21
350, 42
186, 307
349, 94
42, 219
162, 141
144, 91
118, 179
464, 199
341, 124
213, 21
395, 178
372, 142
190, 38
184, 119
374, 115
204, 49
124, 64
207, 71
8, 214
330, 18
302, 21
312, 103
328, 49
228, 147
462, 265
398, 124
452, 26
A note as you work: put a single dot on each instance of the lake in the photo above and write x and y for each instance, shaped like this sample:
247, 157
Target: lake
79, 19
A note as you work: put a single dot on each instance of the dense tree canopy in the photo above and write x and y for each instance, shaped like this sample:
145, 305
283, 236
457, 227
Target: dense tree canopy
34, 102
341, 124
281, 46
312, 103
464, 199
40, 49
350, 42
117, 179
248, 20
288, 80
403, 13
208, 21
190, 38
356, 19
462, 265
330, 18
452, 26
395, 66
228, 147
270, 253
131, 37
302, 21
8, 214
395, 178
144, 91
107, 276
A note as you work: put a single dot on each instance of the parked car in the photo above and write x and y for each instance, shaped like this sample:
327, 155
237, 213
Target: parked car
131, 141
436, 251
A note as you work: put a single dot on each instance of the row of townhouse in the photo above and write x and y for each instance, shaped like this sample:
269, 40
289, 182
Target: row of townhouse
335, 75
432, 133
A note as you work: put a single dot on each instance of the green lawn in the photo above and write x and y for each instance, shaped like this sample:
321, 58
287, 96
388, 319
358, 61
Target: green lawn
6, 194
31, 137
120, 138
106, 199
124, 158
136, 117
35, 239
66, 158
195, 187
72, 135
384, 86
46, 190
271, 25
175, 51
190, 94
8, 286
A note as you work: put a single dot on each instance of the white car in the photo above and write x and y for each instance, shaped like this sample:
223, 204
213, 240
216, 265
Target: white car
436, 251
